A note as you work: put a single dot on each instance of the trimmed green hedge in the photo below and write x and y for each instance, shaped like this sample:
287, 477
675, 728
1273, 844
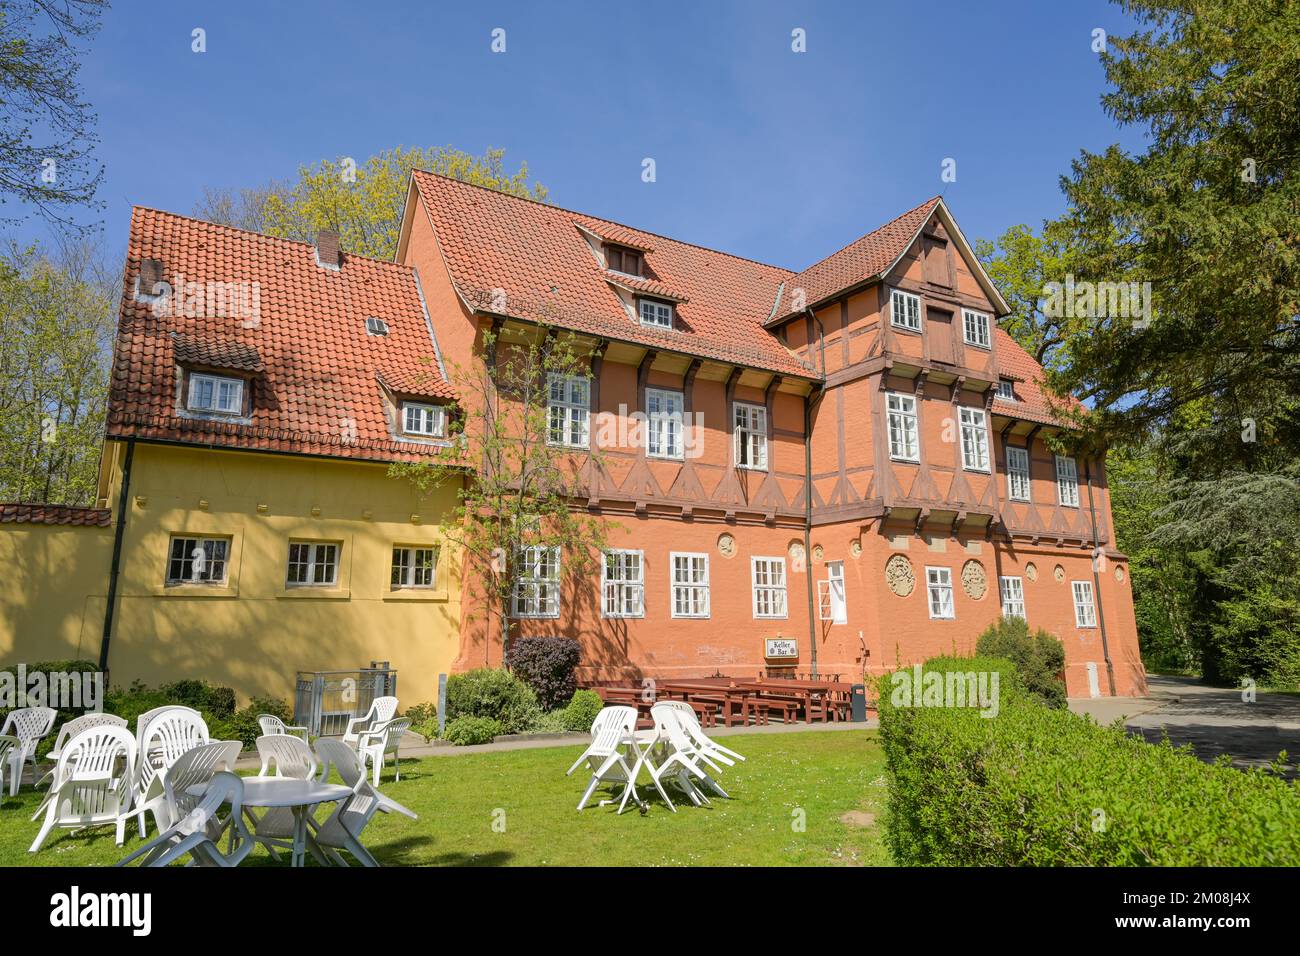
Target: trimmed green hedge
1045, 787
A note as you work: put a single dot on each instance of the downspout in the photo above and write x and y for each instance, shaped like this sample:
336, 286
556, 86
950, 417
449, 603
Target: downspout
1096, 581
114, 568
807, 493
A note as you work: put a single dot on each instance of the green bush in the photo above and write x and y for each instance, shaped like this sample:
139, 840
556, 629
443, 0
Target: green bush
467, 730
424, 719
1039, 657
582, 710
551, 722
495, 694
1044, 787
199, 694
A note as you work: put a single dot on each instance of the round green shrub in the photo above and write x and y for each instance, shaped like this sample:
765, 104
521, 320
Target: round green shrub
466, 731
1039, 657
582, 710
424, 719
492, 693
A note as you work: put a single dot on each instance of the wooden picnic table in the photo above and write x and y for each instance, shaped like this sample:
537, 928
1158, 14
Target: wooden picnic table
635, 696
829, 698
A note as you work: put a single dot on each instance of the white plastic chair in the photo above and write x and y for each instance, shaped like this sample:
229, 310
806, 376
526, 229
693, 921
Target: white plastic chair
167, 736
75, 726
376, 744
197, 765
7, 744
678, 757
197, 832
142, 722
381, 709
90, 788
292, 759
691, 724
29, 725
606, 757
271, 725
342, 830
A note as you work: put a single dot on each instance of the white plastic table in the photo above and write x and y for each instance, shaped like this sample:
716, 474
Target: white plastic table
298, 795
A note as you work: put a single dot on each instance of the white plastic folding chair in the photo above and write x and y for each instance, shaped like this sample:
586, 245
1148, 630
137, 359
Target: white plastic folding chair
92, 783
376, 744
196, 766
197, 833
167, 736
29, 725
612, 732
271, 725
75, 726
691, 723
381, 709
290, 758
678, 757
342, 829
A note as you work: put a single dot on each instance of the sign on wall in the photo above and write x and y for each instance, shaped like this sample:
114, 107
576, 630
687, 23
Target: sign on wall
781, 647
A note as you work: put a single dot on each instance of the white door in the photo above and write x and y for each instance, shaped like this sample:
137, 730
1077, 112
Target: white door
1094, 686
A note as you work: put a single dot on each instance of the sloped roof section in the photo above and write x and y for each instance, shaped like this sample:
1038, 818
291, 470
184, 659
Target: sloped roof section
296, 332
526, 259
1014, 362
54, 514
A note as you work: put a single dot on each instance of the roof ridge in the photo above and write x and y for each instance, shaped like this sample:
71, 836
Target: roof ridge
263, 235
612, 222
872, 232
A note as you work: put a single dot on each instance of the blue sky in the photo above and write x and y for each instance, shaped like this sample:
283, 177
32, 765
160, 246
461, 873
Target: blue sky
779, 156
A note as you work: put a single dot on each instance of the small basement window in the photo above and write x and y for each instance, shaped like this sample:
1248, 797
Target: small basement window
429, 421
376, 326
215, 393
656, 314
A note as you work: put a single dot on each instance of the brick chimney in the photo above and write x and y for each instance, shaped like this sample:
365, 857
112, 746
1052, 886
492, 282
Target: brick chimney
327, 248
151, 273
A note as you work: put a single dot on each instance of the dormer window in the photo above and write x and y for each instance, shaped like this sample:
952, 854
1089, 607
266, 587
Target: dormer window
427, 421
624, 260
1007, 390
656, 314
216, 394
376, 326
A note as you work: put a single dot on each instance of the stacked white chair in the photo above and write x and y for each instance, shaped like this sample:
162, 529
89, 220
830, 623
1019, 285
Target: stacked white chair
292, 759
28, 726
607, 758
272, 725
194, 767
342, 830
381, 709
680, 758
77, 724
197, 833
376, 744
691, 722
92, 783
167, 735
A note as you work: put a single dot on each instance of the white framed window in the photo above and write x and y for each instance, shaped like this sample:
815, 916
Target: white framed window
414, 568
1013, 596
194, 560
568, 409
1067, 481
939, 583
905, 310
974, 439
427, 420
656, 314
690, 579
976, 326
664, 410
216, 393
1007, 390
622, 584
831, 602
1018, 487
904, 443
769, 587
312, 564
750, 436
537, 583
1085, 611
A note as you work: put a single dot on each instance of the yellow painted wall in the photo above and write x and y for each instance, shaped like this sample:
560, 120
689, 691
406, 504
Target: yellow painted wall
255, 633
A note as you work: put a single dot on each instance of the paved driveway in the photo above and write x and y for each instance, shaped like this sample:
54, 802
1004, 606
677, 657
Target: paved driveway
1214, 720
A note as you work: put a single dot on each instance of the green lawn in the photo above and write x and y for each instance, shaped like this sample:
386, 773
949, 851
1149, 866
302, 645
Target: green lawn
459, 798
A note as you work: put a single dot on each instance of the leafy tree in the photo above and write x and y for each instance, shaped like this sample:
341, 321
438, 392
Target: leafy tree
46, 128
363, 202
520, 494
56, 326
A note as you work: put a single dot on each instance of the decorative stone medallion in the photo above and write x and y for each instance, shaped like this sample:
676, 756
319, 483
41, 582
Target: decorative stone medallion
796, 554
726, 546
1031, 571
1059, 574
855, 548
1119, 574
974, 580
899, 575
818, 552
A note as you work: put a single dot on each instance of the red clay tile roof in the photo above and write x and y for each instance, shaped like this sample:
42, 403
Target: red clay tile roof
532, 252
312, 367
857, 262
1015, 362
54, 514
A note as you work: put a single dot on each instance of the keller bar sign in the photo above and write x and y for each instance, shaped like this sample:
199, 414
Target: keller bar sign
781, 647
